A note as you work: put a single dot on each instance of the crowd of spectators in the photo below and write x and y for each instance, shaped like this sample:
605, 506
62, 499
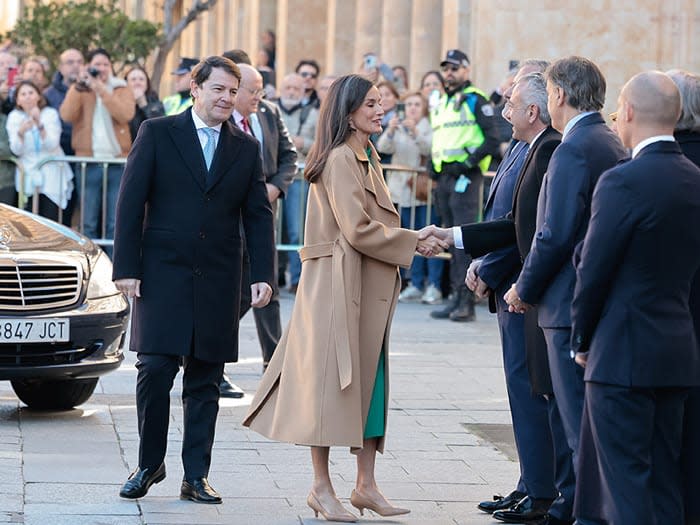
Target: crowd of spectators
86, 110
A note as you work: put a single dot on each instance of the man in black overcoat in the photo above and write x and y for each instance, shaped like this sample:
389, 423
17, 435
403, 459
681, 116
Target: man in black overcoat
189, 181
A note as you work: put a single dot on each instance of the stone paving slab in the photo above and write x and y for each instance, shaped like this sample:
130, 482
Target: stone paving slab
66, 467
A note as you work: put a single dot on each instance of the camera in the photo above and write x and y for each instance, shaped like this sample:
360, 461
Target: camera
93, 72
401, 111
370, 62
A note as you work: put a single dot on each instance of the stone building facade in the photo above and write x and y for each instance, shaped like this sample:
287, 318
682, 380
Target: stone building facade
622, 36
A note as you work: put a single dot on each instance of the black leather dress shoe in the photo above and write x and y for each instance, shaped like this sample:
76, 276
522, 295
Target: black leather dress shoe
199, 491
141, 480
527, 509
501, 502
551, 520
228, 389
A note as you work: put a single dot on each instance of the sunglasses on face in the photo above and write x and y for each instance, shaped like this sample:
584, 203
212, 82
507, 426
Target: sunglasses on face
306, 74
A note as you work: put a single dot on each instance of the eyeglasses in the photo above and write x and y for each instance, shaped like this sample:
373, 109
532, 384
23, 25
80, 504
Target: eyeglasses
613, 116
450, 67
256, 93
306, 74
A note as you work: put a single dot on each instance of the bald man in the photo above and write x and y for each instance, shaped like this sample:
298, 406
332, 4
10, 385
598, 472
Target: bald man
263, 121
631, 325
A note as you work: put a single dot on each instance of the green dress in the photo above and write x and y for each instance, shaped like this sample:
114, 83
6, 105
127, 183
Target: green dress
374, 427
375, 417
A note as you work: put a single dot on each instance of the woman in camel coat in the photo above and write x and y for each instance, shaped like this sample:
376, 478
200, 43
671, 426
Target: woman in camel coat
327, 383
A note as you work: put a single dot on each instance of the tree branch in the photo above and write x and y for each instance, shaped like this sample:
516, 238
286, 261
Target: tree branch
198, 7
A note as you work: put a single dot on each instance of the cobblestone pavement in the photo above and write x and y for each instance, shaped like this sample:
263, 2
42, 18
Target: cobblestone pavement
446, 386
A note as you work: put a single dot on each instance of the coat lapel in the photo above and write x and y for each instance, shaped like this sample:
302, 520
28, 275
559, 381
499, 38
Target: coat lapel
502, 168
185, 137
225, 154
528, 159
374, 179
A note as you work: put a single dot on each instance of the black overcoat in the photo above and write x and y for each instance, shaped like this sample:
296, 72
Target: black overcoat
178, 231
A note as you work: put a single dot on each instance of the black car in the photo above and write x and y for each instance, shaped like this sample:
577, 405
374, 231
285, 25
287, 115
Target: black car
62, 320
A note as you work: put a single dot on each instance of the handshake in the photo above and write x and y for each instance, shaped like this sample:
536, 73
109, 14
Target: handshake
433, 240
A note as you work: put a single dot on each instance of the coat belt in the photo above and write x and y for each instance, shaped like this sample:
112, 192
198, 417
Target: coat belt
338, 299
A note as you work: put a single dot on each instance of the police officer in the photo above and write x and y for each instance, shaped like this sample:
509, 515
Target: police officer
181, 100
464, 139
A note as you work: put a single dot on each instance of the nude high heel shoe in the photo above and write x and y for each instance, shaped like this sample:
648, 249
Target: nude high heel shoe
345, 517
361, 503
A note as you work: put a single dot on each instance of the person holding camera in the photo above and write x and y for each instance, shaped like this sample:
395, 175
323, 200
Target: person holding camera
408, 138
99, 106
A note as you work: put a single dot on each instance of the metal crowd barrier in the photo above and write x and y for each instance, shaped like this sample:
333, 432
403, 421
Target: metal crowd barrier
80, 175
20, 169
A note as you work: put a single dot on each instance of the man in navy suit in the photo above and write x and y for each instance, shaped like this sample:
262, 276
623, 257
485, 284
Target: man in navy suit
190, 180
632, 328
576, 93
492, 275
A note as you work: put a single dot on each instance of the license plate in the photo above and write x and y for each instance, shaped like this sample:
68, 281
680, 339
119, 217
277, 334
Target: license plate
34, 330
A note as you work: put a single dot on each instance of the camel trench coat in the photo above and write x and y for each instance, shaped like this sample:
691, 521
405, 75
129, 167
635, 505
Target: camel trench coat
318, 386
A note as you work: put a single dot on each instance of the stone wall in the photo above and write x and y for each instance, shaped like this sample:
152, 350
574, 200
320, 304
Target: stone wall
622, 36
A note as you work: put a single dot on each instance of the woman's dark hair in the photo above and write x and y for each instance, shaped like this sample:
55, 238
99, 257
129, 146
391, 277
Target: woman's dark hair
42, 100
149, 90
344, 97
435, 73
202, 71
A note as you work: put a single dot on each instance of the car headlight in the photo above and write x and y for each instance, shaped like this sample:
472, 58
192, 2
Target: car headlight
101, 284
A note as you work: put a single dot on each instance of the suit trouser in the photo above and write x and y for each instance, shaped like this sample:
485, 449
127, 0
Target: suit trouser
564, 478
200, 405
267, 320
459, 208
567, 383
529, 412
690, 457
636, 434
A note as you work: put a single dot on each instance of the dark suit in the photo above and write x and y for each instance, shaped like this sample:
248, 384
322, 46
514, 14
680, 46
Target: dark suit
498, 270
630, 316
519, 227
279, 166
547, 278
178, 231
690, 456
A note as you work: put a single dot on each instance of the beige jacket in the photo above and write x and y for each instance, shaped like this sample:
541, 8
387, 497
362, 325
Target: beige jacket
318, 386
78, 109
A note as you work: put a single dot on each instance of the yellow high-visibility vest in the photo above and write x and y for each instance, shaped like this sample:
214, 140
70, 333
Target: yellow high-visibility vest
456, 134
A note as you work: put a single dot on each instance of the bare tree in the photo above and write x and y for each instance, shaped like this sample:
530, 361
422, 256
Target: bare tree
172, 32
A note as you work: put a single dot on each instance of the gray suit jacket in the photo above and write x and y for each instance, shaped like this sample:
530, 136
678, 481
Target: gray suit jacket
278, 152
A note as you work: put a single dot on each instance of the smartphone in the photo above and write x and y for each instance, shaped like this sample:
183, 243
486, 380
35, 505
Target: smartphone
11, 76
401, 111
370, 62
